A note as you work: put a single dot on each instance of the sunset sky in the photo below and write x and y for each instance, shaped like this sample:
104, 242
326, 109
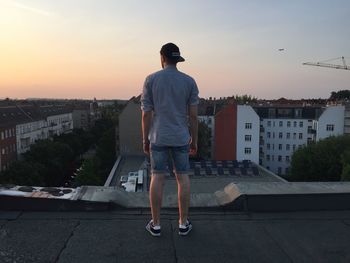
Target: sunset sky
106, 48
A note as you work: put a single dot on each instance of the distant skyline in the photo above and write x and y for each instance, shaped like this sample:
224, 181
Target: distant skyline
105, 49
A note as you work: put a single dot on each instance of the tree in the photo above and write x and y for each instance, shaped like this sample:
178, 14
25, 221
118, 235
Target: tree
244, 99
105, 152
88, 175
56, 157
204, 137
24, 173
321, 161
340, 95
345, 175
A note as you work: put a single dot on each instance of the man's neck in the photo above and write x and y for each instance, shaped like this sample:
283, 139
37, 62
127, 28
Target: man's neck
170, 66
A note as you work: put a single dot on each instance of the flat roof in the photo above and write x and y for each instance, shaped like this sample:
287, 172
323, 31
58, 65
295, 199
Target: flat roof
217, 236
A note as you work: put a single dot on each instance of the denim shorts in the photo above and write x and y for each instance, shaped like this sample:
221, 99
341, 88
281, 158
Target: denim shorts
167, 158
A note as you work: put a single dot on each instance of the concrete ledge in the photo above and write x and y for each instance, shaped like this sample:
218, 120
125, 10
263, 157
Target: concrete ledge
249, 197
46, 204
299, 196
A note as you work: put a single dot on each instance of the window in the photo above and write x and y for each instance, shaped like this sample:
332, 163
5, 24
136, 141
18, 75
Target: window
288, 123
279, 170
274, 123
269, 124
287, 147
287, 170
281, 123
279, 158
295, 124
300, 135
273, 146
3, 151
298, 113
287, 159
288, 135
272, 157
330, 127
268, 157
294, 146
280, 135
268, 134
273, 135
248, 138
280, 147
6, 134
248, 125
301, 124
2, 135
272, 113
268, 146
294, 135
247, 150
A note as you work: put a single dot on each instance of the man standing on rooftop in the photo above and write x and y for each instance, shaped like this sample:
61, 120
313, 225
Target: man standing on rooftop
169, 128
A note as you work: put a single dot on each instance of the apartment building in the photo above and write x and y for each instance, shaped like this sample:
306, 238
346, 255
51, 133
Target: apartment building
347, 118
285, 128
237, 133
8, 151
129, 132
10, 117
21, 125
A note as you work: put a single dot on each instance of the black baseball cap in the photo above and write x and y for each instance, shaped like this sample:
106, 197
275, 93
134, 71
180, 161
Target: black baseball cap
171, 51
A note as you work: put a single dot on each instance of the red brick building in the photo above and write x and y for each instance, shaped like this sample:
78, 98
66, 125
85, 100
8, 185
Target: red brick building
226, 133
8, 152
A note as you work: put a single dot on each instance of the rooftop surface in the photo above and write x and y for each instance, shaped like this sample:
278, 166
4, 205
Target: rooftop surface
217, 236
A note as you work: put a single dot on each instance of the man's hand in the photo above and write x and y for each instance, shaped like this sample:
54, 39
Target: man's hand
193, 149
146, 146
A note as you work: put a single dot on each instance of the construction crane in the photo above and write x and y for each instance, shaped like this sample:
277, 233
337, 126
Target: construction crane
328, 65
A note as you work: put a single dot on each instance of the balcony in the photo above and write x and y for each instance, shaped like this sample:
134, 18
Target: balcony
311, 131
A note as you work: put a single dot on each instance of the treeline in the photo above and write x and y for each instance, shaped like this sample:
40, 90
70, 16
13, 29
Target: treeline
340, 95
326, 160
52, 162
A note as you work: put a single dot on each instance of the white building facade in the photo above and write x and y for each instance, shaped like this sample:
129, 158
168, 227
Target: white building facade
284, 130
28, 133
248, 126
331, 122
60, 124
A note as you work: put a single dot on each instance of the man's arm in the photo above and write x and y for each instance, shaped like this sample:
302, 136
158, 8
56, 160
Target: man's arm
146, 124
193, 115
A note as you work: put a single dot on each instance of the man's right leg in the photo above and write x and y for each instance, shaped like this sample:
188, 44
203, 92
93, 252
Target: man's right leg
155, 196
182, 168
158, 157
183, 193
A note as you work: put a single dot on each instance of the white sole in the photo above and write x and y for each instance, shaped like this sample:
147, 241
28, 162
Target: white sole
153, 234
185, 233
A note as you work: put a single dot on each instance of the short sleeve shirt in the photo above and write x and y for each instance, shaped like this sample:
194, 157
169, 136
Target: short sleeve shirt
168, 93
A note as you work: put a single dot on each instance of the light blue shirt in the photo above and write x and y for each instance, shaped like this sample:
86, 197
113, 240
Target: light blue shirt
168, 93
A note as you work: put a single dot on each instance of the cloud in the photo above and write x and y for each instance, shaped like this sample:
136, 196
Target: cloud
27, 8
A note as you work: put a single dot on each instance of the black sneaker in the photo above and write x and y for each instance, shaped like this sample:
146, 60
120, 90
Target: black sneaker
183, 231
150, 228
